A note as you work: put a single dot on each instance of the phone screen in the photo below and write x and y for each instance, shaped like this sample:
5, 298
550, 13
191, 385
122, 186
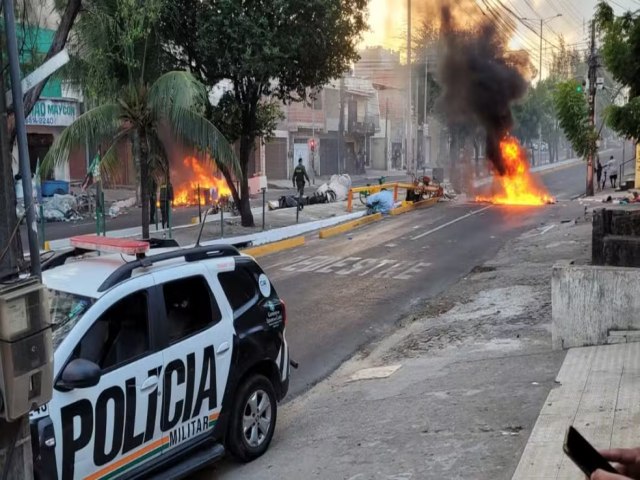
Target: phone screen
583, 454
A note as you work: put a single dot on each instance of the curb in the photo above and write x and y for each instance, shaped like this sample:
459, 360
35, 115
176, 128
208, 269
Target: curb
345, 227
414, 206
274, 247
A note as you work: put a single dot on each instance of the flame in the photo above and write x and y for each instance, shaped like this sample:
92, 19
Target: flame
186, 193
516, 186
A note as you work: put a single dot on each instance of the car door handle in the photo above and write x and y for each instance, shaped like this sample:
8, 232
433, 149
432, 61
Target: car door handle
224, 346
149, 383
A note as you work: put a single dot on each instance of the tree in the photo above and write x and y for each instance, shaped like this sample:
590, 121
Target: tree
267, 49
119, 35
620, 46
573, 112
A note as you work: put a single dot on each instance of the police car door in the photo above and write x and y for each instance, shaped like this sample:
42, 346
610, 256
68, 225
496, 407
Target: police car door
197, 354
112, 428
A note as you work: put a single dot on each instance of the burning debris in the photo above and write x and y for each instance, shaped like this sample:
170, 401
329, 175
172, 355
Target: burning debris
516, 186
193, 175
481, 81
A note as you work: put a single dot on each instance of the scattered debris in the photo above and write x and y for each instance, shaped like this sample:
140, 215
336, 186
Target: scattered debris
117, 207
374, 373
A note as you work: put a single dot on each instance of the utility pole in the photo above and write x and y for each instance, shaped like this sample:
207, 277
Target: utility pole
341, 126
425, 122
543, 21
15, 439
386, 136
409, 118
593, 68
21, 131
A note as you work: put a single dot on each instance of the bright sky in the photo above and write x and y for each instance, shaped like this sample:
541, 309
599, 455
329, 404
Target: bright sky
388, 21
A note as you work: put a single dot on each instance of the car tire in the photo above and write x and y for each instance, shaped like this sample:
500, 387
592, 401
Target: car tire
253, 419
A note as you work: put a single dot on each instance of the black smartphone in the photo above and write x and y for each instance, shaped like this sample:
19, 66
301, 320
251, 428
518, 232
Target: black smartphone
583, 454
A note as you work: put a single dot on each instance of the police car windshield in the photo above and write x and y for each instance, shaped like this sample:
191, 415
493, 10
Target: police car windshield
66, 310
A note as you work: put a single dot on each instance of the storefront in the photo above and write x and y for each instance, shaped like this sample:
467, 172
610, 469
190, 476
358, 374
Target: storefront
45, 123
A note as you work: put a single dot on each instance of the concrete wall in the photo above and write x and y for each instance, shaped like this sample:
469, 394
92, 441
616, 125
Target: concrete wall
589, 301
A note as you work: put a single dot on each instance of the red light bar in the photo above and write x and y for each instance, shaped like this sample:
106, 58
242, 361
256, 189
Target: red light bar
110, 244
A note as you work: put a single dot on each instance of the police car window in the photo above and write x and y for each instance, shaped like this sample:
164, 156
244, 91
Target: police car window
190, 307
120, 335
239, 286
66, 311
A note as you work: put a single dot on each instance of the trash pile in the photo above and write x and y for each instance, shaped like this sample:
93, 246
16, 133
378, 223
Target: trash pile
59, 208
116, 208
336, 190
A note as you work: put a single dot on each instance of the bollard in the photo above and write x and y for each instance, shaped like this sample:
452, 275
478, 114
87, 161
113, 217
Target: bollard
169, 212
199, 206
264, 198
221, 222
104, 217
298, 206
41, 228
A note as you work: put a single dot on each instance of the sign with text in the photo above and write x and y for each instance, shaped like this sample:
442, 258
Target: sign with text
53, 113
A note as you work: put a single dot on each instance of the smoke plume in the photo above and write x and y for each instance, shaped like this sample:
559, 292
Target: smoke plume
480, 81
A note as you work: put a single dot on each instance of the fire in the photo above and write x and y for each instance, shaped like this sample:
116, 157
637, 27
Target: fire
516, 186
198, 175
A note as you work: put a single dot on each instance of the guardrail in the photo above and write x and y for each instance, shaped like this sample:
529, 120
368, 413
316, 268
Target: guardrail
376, 188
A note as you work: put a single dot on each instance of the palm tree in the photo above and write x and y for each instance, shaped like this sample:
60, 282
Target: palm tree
175, 101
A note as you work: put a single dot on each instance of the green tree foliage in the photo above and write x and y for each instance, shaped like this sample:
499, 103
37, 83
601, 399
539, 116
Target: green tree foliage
573, 114
268, 49
620, 47
138, 104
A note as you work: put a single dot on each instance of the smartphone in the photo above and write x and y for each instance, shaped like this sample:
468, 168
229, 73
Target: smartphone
583, 454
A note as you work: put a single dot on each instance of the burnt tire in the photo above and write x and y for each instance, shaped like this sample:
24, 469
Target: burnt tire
253, 419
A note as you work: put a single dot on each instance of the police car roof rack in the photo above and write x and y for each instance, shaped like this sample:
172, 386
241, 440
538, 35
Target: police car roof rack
189, 254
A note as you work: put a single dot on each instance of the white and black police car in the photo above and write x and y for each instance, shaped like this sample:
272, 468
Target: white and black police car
162, 362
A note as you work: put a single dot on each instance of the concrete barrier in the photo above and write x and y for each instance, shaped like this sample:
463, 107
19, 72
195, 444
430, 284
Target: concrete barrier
414, 206
590, 301
345, 227
274, 247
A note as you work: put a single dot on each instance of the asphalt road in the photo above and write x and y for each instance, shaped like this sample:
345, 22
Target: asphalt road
345, 292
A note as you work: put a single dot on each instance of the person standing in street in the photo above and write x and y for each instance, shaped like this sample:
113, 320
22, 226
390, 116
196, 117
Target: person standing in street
599, 173
166, 198
153, 198
299, 175
613, 171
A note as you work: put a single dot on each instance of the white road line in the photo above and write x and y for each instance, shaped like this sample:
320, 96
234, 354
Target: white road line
456, 220
546, 229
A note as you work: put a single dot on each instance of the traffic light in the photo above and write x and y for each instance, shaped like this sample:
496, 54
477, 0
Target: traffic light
312, 144
582, 87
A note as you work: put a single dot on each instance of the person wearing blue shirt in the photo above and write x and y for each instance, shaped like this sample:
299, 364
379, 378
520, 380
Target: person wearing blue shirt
380, 202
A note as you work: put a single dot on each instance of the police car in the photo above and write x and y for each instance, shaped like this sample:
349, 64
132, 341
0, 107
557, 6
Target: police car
162, 362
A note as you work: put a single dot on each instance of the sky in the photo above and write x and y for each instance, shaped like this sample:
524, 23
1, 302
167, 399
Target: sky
388, 22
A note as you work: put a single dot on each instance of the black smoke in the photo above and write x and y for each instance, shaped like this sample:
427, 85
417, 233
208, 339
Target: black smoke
480, 82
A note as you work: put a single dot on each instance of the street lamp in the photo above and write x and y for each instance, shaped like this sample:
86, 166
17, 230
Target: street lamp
542, 21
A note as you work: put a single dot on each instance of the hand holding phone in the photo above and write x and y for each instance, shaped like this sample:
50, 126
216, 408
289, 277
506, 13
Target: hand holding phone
583, 454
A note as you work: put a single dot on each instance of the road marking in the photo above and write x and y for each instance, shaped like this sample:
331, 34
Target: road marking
546, 229
357, 266
456, 220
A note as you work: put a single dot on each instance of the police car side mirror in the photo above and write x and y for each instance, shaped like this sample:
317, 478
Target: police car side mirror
79, 373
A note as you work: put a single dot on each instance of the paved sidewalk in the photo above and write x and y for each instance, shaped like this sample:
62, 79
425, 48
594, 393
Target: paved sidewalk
597, 391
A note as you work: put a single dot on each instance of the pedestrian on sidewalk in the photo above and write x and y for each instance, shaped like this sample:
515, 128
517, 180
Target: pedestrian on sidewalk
613, 172
166, 197
299, 174
605, 171
153, 199
626, 461
599, 173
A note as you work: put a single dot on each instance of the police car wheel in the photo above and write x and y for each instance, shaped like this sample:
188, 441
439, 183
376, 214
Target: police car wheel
253, 419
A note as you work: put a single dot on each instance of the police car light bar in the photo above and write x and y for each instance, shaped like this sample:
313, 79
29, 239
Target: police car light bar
109, 244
